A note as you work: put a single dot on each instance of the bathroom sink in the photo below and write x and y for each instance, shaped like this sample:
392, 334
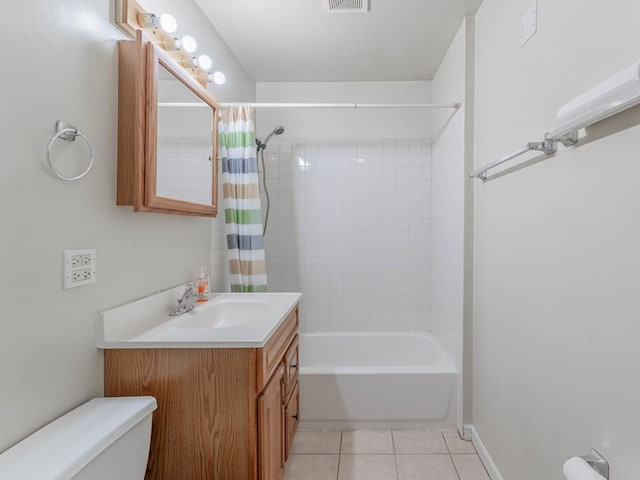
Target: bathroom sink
226, 320
221, 314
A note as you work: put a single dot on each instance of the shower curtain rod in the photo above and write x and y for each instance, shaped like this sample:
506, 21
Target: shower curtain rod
316, 105
344, 105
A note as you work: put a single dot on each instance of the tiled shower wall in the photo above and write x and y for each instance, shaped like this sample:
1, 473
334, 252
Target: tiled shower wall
350, 226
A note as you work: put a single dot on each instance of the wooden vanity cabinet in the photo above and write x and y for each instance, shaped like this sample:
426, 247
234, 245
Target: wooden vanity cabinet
223, 413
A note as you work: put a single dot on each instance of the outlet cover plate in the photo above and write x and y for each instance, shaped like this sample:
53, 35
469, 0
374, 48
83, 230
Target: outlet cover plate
529, 24
78, 267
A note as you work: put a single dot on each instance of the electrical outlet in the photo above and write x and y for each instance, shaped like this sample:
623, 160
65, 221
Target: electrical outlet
81, 275
78, 268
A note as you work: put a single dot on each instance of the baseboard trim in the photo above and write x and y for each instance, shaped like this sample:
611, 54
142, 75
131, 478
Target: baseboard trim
489, 464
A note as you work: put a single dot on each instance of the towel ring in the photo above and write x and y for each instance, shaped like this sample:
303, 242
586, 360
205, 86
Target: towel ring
68, 132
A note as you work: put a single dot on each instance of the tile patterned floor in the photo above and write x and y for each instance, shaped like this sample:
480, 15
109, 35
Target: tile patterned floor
383, 455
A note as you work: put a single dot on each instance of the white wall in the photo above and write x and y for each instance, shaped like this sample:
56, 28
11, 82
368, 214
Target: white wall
557, 260
48, 359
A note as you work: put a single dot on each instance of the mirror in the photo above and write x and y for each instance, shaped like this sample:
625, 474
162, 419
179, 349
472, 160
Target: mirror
184, 142
167, 135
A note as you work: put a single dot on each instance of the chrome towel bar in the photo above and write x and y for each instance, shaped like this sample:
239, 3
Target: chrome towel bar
548, 147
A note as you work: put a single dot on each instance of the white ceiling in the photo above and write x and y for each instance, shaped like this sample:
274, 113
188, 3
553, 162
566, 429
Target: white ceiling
298, 40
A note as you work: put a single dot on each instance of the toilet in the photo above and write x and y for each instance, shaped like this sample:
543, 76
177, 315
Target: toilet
105, 438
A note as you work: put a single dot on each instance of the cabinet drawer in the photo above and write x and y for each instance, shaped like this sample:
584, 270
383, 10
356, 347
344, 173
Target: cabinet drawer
273, 352
291, 367
292, 418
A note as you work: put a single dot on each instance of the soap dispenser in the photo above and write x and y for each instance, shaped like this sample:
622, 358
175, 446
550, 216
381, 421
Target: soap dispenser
203, 286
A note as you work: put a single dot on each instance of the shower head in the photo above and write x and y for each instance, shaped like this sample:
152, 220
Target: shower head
279, 130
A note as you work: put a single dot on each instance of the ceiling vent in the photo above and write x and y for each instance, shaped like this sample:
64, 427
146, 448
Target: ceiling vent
349, 6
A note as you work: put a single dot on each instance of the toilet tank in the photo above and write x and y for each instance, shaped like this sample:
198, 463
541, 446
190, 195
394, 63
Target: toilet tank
105, 438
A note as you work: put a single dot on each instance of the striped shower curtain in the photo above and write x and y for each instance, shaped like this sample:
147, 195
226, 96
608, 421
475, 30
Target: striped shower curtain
240, 185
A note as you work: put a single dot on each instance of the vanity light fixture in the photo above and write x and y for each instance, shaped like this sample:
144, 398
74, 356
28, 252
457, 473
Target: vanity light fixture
130, 16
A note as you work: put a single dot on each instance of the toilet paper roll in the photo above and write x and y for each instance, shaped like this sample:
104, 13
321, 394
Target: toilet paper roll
577, 469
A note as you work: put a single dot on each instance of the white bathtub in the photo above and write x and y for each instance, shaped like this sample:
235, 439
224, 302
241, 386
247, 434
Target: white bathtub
375, 380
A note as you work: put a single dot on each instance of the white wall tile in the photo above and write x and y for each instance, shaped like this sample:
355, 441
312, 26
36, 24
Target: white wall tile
355, 235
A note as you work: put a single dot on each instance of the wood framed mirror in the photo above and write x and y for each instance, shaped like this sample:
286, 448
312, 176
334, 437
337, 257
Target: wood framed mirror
167, 135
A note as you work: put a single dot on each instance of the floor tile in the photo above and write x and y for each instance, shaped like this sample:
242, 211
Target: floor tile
426, 467
470, 467
367, 441
367, 467
311, 467
319, 441
457, 444
419, 441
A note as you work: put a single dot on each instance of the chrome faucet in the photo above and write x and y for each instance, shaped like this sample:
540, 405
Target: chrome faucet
187, 302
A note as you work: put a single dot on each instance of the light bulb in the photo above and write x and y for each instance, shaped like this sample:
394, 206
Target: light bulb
189, 44
205, 62
168, 23
219, 78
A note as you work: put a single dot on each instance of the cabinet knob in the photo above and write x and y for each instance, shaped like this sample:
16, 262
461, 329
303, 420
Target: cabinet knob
295, 365
295, 416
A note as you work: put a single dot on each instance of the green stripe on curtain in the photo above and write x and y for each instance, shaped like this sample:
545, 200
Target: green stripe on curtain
243, 217
238, 139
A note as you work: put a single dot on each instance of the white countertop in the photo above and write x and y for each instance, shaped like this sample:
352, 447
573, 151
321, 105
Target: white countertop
227, 320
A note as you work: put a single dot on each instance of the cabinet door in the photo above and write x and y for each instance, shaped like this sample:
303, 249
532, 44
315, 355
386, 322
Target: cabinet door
292, 418
271, 428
